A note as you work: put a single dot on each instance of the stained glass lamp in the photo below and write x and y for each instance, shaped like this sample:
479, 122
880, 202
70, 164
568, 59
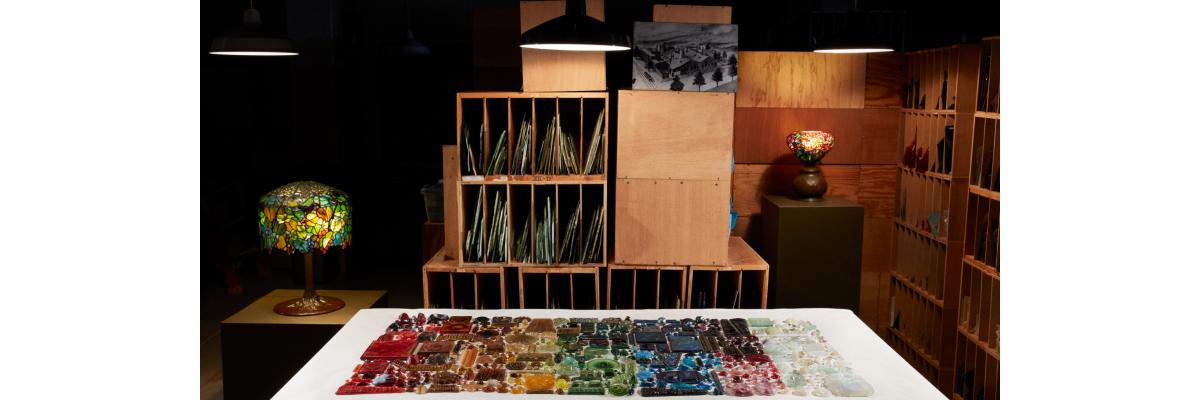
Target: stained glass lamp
305, 217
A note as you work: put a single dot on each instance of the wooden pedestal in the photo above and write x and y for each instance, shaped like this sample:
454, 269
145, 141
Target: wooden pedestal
261, 350
815, 248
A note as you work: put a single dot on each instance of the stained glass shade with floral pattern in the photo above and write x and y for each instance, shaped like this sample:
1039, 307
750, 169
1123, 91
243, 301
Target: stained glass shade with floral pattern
304, 216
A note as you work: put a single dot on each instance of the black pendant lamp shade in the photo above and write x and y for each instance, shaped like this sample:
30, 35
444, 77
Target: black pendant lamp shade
411, 46
250, 40
574, 31
855, 32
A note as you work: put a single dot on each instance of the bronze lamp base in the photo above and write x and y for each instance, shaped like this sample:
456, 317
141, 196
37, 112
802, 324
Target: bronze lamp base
310, 303
314, 305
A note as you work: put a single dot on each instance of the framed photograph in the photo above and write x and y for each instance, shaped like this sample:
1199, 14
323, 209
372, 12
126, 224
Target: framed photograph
685, 57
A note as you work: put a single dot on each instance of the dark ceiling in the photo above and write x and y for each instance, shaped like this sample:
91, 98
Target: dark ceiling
352, 112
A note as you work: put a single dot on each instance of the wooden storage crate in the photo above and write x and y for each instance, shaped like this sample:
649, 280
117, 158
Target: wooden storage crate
659, 284
440, 264
546, 287
674, 170
524, 194
742, 259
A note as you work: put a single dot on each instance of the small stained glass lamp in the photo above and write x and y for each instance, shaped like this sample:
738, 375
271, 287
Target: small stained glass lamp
305, 217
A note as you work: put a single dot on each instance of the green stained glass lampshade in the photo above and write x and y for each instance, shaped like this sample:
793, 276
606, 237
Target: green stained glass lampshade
304, 216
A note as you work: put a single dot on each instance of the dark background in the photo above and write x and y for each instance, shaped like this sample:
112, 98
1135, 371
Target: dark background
354, 113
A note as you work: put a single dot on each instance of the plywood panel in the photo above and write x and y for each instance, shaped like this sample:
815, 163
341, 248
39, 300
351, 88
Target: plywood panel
450, 178
693, 14
884, 75
877, 190
671, 222
752, 181
877, 244
559, 71
801, 79
880, 140
674, 135
759, 133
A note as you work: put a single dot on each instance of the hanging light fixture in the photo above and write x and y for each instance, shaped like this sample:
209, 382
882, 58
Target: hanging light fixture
852, 32
250, 40
574, 31
411, 45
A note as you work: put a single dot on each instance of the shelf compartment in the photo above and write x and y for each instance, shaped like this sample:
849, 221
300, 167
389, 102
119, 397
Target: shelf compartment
930, 80
922, 292
927, 140
548, 281
666, 284
985, 156
979, 308
441, 288
982, 241
484, 116
917, 318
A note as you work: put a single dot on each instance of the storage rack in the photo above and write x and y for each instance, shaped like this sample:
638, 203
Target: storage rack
492, 120
977, 356
937, 123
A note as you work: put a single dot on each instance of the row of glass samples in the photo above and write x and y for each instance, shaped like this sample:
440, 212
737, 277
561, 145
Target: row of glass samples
613, 356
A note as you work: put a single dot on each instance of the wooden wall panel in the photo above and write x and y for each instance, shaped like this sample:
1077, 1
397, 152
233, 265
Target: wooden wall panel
559, 71
671, 222
801, 79
884, 75
860, 135
693, 14
877, 190
877, 244
881, 139
674, 135
752, 181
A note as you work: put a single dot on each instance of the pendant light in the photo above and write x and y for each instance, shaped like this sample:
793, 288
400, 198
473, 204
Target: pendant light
574, 31
412, 46
250, 40
853, 33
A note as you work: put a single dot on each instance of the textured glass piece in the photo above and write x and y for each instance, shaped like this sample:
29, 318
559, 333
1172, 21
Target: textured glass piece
304, 216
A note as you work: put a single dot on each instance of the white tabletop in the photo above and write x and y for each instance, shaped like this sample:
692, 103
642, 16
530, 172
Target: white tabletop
869, 355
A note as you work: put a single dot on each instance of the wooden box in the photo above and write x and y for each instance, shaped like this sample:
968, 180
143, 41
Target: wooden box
524, 194
559, 71
671, 222
703, 290
675, 135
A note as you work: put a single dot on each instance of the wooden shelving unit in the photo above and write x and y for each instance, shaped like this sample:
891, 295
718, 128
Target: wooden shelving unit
703, 290
977, 359
516, 195
939, 130
650, 286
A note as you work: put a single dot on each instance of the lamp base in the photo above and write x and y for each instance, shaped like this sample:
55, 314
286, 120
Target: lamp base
314, 305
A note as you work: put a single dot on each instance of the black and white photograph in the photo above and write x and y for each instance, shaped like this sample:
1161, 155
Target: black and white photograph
685, 57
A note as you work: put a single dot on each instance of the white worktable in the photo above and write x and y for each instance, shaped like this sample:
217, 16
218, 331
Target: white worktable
870, 357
